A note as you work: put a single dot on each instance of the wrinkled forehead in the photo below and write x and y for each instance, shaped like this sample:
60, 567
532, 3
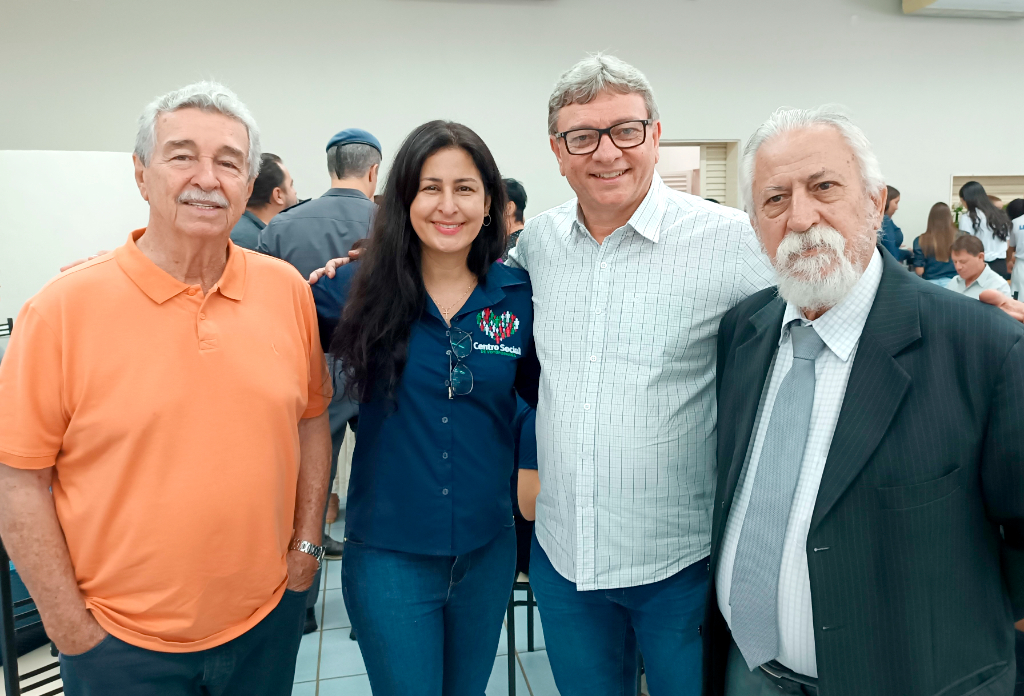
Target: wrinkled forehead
206, 129
802, 154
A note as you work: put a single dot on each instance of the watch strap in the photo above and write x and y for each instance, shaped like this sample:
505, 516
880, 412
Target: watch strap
310, 548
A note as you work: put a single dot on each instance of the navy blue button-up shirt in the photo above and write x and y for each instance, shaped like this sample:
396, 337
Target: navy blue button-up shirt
430, 474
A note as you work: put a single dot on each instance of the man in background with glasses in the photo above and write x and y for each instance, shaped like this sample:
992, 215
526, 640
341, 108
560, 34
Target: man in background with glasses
630, 281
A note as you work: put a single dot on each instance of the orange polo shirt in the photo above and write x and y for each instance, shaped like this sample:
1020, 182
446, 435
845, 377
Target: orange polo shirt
171, 419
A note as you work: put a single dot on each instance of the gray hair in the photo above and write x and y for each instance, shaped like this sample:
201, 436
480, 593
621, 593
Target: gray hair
786, 120
207, 96
353, 160
598, 73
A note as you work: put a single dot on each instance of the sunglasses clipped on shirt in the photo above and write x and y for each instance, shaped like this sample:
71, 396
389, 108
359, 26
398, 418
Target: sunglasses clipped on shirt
460, 377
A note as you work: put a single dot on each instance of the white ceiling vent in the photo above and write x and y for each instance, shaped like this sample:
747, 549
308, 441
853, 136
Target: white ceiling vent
987, 9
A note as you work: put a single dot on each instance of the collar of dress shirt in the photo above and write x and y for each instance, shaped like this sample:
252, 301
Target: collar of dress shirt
254, 219
840, 327
646, 220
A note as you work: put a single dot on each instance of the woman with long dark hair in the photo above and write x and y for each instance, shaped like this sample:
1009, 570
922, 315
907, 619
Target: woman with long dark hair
986, 222
434, 339
931, 250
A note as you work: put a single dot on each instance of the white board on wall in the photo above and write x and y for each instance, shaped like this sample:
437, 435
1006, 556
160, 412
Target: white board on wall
60, 206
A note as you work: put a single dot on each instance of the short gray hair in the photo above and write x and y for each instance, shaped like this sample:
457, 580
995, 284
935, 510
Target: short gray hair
355, 159
207, 96
785, 120
598, 73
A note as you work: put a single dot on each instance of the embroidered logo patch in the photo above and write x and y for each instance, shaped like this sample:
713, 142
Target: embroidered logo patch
497, 327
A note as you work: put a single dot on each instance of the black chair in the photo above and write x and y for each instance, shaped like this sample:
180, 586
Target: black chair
33, 683
522, 584
6, 328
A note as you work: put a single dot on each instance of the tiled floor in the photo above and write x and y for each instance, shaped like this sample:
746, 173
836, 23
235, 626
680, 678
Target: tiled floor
330, 664
30, 662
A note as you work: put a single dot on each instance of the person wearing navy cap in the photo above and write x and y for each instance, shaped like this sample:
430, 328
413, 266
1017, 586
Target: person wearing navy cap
307, 235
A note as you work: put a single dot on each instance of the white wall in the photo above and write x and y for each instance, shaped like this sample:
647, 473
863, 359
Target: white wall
934, 95
60, 206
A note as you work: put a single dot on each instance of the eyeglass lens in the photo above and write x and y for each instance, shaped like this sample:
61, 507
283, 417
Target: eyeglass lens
623, 135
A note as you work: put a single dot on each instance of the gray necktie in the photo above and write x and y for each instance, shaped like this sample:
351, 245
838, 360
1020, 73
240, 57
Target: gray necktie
754, 595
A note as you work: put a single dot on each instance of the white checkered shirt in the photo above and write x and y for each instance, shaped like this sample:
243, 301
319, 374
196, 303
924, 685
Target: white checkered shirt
626, 333
840, 328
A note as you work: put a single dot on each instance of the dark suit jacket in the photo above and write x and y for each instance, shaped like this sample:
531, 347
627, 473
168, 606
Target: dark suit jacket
916, 545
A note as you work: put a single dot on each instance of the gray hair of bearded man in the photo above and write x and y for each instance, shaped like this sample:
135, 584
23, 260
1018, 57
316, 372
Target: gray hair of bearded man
786, 120
206, 96
598, 73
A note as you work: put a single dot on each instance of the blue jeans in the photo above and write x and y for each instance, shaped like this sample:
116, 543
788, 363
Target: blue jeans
260, 662
428, 625
592, 637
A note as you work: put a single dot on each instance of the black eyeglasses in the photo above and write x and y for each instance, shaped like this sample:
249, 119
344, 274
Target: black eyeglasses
460, 377
625, 135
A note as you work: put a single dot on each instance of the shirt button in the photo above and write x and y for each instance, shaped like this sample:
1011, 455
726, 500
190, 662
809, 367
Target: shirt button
444, 492
191, 291
604, 265
593, 358
202, 316
444, 455
444, 419
586, 407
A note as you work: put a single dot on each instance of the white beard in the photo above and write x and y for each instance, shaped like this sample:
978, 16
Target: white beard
821, 281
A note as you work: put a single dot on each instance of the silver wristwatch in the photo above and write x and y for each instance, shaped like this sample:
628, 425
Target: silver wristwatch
313, 550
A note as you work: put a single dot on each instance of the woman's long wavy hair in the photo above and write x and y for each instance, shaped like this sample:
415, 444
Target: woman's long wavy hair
938, 238
976, 198
387, 293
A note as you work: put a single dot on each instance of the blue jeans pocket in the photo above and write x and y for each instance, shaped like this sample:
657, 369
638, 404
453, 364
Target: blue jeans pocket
91, 652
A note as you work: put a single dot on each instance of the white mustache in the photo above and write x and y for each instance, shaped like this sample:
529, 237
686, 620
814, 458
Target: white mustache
822, 237
205, 197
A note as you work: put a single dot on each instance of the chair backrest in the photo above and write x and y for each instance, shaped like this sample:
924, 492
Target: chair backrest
6, 327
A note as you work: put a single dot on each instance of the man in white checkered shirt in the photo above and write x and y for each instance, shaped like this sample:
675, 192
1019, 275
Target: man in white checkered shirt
630, 281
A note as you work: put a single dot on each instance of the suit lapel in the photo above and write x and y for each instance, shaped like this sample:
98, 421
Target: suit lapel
876, 387
753, 361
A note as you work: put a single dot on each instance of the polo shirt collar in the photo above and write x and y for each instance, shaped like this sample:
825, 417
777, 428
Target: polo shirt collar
160, 286
346, 193
646, 219
254, 219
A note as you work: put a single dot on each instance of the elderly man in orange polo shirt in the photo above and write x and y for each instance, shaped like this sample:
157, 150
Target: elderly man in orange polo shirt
173, 394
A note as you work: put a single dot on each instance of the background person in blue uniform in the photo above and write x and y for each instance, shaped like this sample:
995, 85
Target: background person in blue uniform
313, 231
892, 236
272, 193
435, 338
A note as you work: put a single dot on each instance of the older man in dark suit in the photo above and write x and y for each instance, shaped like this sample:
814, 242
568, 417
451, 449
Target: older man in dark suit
869, 527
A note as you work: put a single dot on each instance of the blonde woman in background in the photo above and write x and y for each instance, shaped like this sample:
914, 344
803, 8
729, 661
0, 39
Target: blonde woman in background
931, 250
